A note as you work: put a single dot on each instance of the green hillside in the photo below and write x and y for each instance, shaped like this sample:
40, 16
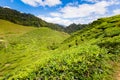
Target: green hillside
7, 28
44, 54
96, 32
87, 54
22, 46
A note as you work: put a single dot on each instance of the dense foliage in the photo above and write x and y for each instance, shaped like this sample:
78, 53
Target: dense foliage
26, 19
87, 54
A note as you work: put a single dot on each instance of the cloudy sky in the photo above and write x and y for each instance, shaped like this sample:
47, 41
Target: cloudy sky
65, 12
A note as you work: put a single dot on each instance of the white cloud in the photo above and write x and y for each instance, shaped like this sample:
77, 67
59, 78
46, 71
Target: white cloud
56, 20
35, 3
6, 7
66, 22
117, 11
83, 10
82, 13
55, 14
95, 1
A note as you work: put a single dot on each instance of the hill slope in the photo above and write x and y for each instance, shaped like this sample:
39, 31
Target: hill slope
88, 54
24, 46
7, 28
101, 29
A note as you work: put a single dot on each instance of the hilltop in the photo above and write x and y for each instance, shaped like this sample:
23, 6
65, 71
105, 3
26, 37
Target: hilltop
74, 27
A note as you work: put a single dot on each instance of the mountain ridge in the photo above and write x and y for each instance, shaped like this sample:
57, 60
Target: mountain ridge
26, 19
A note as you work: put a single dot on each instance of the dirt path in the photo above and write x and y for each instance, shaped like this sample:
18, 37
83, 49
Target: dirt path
117, 73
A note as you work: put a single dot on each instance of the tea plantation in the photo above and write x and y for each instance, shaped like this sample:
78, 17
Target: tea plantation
45, 54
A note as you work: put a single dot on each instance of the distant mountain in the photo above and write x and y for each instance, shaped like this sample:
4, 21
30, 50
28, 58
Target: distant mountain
26, 19
74, 27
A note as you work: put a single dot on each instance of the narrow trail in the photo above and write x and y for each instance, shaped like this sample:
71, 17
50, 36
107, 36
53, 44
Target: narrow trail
118, 77
117, 72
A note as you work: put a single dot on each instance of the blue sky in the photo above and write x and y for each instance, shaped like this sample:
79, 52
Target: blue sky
66, 12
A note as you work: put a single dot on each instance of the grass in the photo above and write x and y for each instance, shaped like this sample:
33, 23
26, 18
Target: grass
7, 28
27, 46
44, 54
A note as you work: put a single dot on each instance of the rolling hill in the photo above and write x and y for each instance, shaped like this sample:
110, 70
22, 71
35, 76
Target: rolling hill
45, 54
22, 46
7, 28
